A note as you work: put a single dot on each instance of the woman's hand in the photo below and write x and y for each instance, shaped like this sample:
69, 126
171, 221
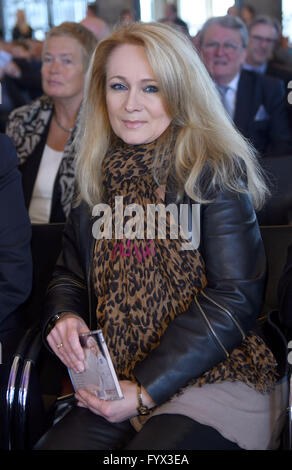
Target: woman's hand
64, 340
117, 410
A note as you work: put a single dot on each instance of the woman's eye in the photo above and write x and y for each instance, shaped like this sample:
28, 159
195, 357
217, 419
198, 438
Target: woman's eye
67, 61
117, 86
151, 89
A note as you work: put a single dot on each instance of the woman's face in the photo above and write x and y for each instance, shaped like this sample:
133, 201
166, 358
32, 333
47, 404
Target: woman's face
134, 103
63, 73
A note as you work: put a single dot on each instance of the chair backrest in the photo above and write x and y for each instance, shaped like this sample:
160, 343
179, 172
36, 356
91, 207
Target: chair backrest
46, 246
278, 208
276, 241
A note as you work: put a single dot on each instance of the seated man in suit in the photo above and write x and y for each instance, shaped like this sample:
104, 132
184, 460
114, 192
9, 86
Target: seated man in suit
263, 36
256, 103
15, 265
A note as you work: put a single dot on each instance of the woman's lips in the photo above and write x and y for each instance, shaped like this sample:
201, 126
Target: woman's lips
133, 124
54, 83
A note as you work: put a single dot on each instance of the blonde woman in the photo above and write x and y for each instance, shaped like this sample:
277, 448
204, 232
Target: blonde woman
43, 131
21, 30
179, 320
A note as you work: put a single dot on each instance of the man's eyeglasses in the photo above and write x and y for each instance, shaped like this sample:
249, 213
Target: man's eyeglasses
226, 46
259, 39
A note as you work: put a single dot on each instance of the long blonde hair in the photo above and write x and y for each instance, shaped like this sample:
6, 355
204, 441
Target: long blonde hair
21, 21
205, 138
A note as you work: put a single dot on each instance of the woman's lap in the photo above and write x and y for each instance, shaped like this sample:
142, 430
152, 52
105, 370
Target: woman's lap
82, 430
178, 432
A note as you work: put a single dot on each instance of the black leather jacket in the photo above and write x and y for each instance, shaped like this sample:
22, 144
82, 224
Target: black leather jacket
218, 318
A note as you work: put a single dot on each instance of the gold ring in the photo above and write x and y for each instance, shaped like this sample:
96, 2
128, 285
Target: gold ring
59, 345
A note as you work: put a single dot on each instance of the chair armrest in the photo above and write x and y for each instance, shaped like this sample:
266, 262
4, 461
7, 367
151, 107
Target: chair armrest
29, 360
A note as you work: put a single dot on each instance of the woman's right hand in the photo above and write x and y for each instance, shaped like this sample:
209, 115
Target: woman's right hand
64, 340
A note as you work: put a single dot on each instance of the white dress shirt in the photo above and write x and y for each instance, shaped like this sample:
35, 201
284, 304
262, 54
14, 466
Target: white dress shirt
41, 201
230, 95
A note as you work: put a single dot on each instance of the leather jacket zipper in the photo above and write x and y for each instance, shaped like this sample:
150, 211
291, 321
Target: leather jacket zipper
211, 328
228, 313
91, 254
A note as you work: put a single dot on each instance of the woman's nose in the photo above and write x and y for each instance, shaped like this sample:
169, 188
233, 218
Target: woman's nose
133, 101
54, 66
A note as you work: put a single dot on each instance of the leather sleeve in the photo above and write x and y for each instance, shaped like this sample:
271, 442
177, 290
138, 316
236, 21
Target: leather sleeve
221, 315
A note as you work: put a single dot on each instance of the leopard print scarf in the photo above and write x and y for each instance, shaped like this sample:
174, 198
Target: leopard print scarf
142, 284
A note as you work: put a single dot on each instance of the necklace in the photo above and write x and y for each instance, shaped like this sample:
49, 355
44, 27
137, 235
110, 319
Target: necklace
62, 127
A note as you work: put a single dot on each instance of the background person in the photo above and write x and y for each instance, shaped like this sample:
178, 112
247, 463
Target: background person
170, 15
263, 42
153, 130
233, 10
95, 24
247, 14
255, 103
43, 131
23, 72
263, 36
126, 17
21, 30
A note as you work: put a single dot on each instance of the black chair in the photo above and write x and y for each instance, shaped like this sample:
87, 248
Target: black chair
12, 387
276, 241
26, 420
46, 245
278, 208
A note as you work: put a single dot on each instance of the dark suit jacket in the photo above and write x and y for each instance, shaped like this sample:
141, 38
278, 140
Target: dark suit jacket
261, 113
15, 236
279, 71
284, 73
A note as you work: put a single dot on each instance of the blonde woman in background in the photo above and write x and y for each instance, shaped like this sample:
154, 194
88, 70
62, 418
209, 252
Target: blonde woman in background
21, 30
179, 324
43, 132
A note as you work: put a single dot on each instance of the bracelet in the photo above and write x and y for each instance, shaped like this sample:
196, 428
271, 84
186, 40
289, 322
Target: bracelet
142, 408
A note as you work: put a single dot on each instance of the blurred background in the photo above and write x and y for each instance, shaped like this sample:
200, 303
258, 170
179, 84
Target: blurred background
43, 14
